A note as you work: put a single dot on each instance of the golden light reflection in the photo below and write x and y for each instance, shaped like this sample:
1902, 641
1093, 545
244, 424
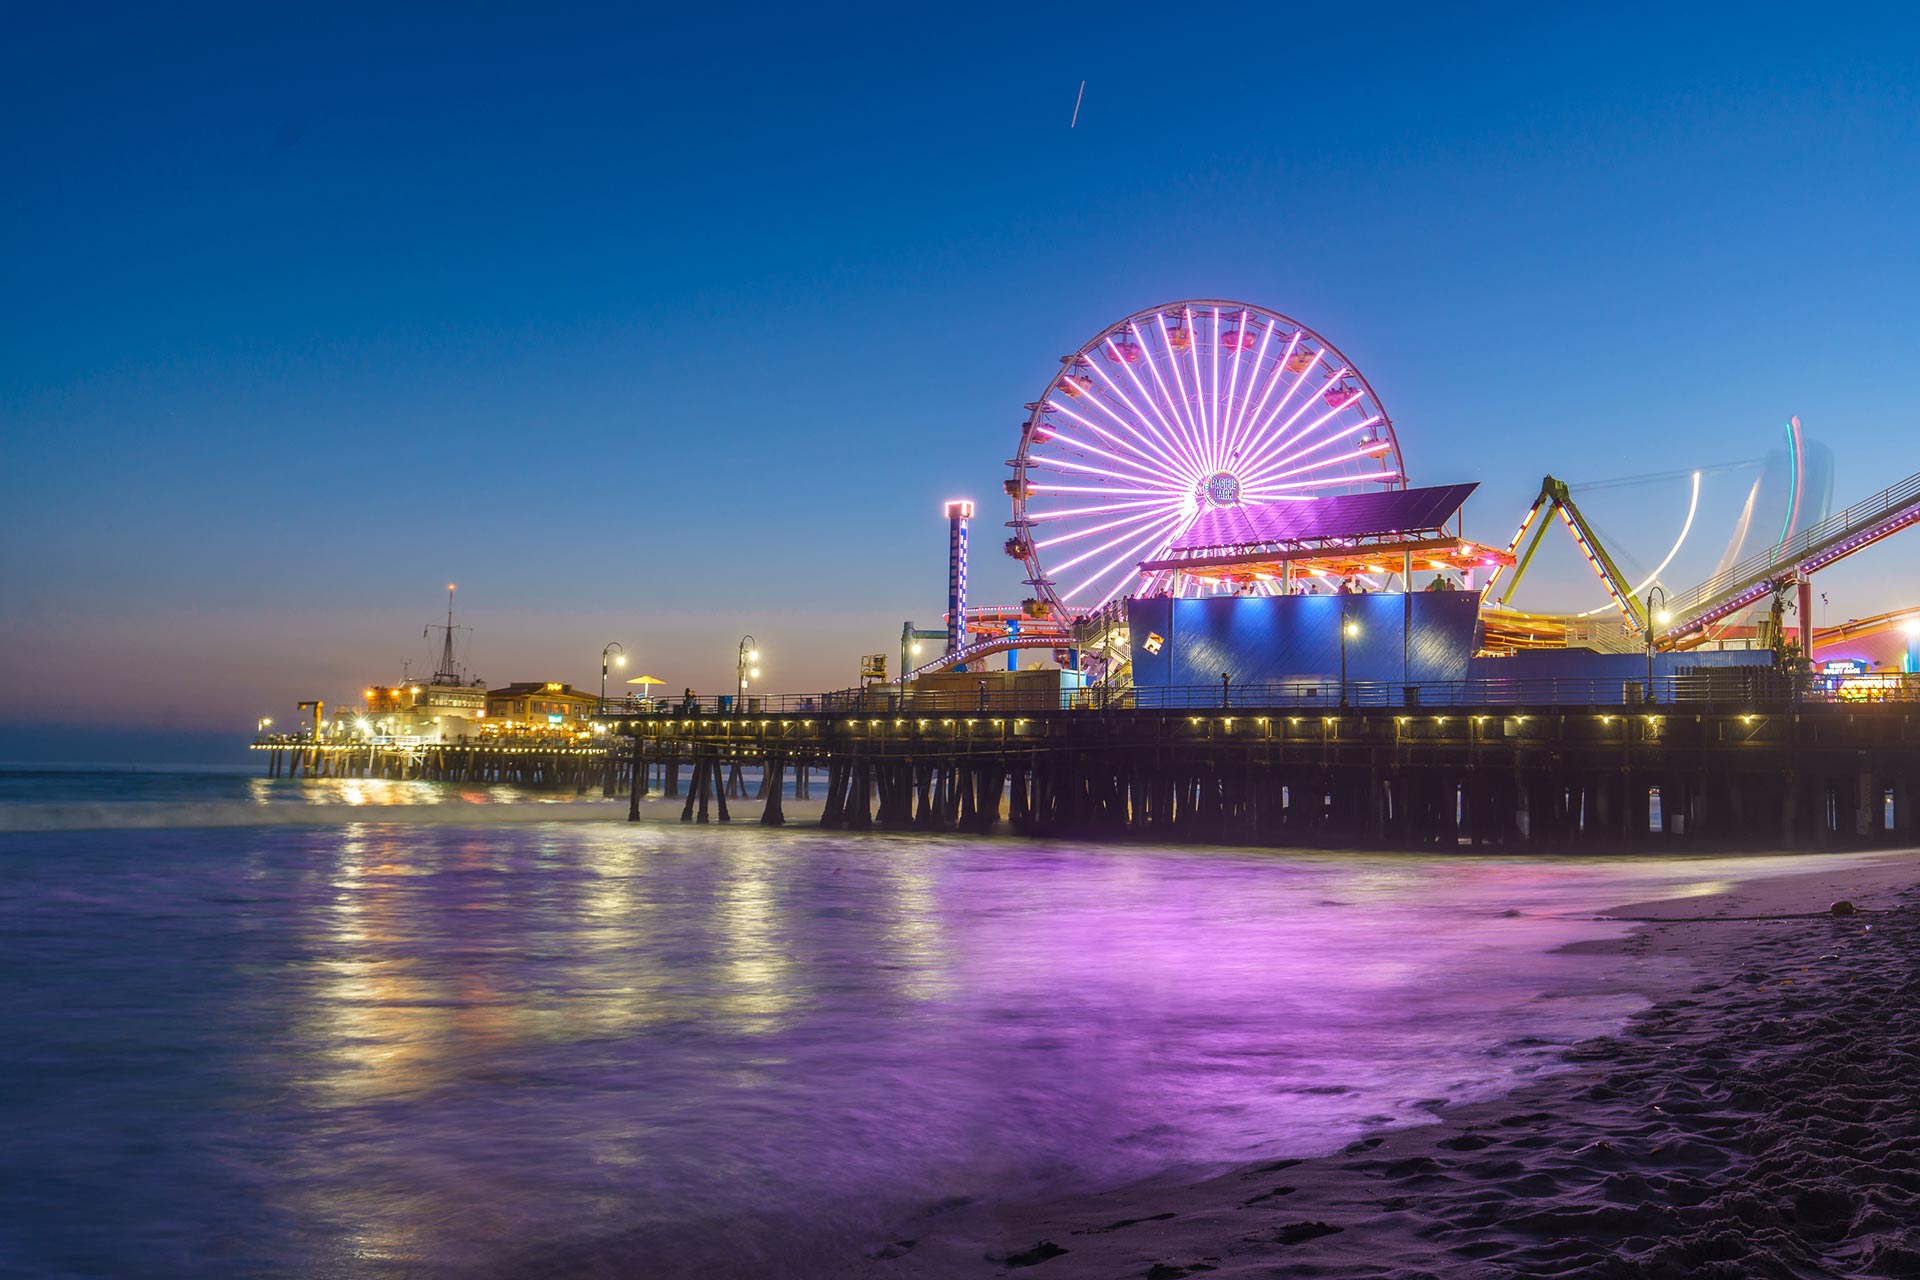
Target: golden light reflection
754, 963
919, 944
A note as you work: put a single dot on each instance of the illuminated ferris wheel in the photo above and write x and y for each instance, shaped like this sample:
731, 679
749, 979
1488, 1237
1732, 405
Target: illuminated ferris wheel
1173, 411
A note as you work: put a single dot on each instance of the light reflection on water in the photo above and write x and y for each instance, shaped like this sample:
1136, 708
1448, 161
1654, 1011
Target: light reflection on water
575, 1048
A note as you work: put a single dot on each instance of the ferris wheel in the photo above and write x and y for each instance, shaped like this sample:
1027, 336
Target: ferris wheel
1173, 411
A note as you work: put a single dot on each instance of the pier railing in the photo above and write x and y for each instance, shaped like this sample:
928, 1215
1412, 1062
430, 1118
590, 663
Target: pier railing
1720, 687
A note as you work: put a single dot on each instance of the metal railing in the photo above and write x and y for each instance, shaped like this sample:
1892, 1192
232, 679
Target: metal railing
1734, 687
1861, 517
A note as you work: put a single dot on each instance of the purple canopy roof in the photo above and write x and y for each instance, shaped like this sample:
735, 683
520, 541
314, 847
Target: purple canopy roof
1355, 515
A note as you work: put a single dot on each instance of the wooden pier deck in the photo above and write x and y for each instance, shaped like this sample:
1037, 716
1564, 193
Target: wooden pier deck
1515, 777
1769, 767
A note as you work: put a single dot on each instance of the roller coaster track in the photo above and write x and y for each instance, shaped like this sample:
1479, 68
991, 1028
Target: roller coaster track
1838, 536
992, 645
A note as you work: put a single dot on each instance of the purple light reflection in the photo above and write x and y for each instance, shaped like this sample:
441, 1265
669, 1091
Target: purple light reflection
453, 1050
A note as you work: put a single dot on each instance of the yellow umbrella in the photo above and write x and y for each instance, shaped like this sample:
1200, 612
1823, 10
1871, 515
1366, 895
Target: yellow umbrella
643, 682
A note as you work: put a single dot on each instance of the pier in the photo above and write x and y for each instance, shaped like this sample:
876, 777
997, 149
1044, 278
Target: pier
534, 765
1297, 768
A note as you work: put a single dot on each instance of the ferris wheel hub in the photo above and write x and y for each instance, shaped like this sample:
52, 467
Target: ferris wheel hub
1222, 489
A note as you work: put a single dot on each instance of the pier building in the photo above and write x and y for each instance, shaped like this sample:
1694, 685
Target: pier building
540, 704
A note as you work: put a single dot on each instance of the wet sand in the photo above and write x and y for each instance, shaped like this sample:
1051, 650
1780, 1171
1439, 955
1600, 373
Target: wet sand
1761, 1118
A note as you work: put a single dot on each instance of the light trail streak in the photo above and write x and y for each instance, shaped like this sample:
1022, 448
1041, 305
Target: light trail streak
1693, 505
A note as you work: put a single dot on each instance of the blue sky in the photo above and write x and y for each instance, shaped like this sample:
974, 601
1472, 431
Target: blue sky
657, 327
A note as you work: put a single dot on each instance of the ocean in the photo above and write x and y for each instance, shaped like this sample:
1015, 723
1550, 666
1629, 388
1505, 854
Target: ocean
343, 1028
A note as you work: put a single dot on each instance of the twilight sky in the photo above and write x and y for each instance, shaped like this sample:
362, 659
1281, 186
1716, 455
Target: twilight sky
655, 327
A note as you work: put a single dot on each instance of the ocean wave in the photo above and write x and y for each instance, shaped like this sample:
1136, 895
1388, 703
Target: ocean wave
110, 816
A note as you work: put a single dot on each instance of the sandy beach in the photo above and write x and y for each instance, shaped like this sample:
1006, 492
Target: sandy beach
1758, 1119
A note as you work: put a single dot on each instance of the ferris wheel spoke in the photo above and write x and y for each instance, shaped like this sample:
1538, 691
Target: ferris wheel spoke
1178, 521
1271, 457
1281, 490
1278, 438
1048, 462
1176, 405
1044, 516
1274, 372
1268, 468
1188, 410
1166, 541
1166, 453
1133, 518
1233, 382
1134, 457
1199, 393
1097, 488
1155, 519
1212, 399
1173, 436
1339, 460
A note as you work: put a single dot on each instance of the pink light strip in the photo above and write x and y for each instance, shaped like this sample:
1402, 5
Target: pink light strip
1133, 518
1329, 480
1139, 459
1130, 554
1275, 374
1213, 429
1195, 435
1169, 451
1281, 439
1267, 432
1271, 470
1094, 511
1146, 398
1049, 462
1199, 392
1110, 544
1235, 418
1273, 484
1106, 490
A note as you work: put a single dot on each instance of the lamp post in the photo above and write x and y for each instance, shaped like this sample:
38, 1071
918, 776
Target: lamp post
1348, 627
612, 646
1661, 618
747, 654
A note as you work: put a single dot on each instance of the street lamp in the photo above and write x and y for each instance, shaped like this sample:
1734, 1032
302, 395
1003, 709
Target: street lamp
1659, 618
612, 646
1348, 628
745, 664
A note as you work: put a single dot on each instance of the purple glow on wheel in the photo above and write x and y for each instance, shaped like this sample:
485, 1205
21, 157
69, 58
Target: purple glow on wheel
1174, 410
